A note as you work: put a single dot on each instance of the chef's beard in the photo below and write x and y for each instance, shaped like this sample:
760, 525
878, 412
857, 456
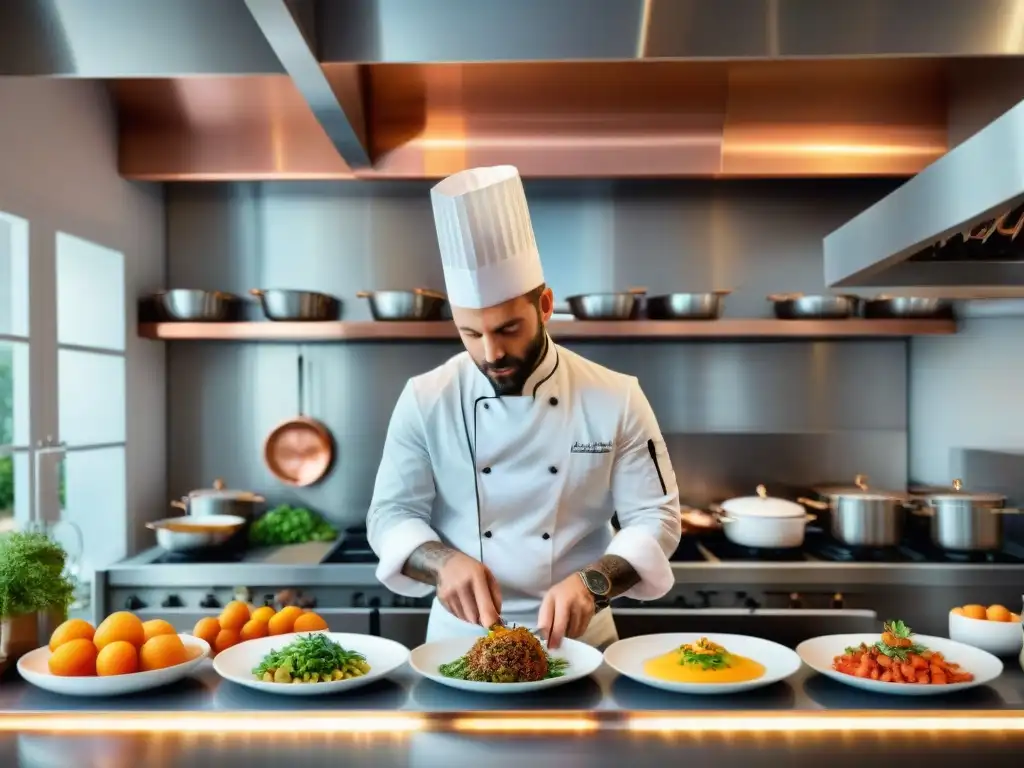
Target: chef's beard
522, 367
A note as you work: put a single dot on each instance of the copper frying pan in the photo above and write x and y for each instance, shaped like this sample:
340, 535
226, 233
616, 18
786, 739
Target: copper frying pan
299, 451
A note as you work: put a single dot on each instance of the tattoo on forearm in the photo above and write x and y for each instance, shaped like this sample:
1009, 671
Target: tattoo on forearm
619, 572
426, 562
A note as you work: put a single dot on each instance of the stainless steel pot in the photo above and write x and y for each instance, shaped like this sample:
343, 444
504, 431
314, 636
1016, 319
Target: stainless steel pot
218, 501
624, 305
297, 306
796, 306
181, 534
861, 517
907, 306
966, 522
417, 304
188, 305
685, 306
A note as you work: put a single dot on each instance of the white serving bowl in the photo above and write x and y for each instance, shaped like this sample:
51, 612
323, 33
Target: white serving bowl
1000, 638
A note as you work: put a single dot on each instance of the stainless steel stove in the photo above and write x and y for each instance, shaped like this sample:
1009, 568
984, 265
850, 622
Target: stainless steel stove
719, 587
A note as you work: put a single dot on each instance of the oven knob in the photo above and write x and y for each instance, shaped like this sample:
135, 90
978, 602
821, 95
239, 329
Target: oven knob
268, 600
172, 601
133, 603
837, 600
358, 600
210, 602
794, 600
751, 604
375, 602
309, 603
705, 598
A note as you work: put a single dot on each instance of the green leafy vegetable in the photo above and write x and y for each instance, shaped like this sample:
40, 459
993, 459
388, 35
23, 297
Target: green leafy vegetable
459, 669
32, 575
896, 642
309, 655
290, 525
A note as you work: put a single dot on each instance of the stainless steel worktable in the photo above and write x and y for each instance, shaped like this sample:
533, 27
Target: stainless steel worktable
604, 720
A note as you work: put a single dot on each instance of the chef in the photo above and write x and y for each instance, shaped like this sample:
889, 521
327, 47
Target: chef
503, 466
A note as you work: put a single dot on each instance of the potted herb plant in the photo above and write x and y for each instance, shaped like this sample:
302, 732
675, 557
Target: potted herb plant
33, 585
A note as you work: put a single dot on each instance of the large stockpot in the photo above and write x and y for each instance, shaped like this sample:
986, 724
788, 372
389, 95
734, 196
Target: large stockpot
966, 522
207, 502
862, 517
685, 306
286, 305
416, 304
763, 522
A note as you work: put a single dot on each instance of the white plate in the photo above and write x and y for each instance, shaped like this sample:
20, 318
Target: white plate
237, 663
583, 661
819, 652
627, 657
33, 666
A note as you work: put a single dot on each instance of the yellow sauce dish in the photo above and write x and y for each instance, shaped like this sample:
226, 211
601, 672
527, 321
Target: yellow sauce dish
703, 662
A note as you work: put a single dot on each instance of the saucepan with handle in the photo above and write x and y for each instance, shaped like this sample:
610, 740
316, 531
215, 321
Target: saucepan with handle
862, 516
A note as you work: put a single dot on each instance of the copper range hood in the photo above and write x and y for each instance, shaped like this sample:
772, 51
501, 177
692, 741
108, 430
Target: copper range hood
552, 119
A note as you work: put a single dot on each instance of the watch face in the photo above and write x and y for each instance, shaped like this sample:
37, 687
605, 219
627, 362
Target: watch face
597, 582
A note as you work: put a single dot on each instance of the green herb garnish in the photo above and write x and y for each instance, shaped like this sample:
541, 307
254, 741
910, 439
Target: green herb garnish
290, 525
459, 669
32, 577
896, 642
310, 655
704, 654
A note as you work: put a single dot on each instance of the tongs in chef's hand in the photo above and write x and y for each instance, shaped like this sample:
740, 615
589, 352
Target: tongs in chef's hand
504, 624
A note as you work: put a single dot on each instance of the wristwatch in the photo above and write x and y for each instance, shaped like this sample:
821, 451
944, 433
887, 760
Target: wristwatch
599, 585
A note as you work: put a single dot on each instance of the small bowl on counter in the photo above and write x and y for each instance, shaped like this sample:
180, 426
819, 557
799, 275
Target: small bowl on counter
907, 307
685, 306
621, 305
1000, 638
191, 305
797, 306
418, 304
285, 305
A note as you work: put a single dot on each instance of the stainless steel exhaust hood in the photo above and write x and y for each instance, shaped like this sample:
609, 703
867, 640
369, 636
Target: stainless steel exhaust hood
956, 226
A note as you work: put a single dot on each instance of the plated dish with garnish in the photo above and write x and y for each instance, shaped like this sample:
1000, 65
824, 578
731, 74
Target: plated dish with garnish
689, 662
897, 661
312, 664
505, 660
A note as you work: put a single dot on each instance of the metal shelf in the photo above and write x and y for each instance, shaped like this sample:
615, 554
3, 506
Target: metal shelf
665, 330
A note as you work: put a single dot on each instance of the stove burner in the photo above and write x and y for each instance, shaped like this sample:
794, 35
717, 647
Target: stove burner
200, 556
833, 551
723, 549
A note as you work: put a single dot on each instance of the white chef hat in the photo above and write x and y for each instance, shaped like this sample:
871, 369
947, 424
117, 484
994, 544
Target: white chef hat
488, 250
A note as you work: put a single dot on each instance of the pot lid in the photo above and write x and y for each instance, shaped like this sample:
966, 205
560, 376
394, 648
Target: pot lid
861, 490
960, 495
762, 505
220, 492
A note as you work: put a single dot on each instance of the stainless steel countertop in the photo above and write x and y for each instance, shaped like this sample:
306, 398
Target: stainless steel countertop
604, 692
140, 571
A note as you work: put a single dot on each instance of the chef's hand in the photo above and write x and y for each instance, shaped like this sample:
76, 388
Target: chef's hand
566, 611
467, 588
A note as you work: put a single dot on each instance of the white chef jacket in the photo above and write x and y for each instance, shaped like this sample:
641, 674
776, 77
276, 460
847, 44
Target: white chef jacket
525, 484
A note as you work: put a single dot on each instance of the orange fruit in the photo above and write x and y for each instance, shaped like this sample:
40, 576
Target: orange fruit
117, 658
155, 627
122, 625
234, 615
72, 629
225, 639
207, 629
263, 614
75, 658
1015, 617
253, 628
161, 652
958, 611
309, 622
283, 621
975, 612
997, 613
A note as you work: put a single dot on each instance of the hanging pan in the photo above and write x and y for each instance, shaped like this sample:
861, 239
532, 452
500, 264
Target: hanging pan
299, 451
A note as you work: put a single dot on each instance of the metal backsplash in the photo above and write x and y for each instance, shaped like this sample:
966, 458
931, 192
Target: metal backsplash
734, 414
